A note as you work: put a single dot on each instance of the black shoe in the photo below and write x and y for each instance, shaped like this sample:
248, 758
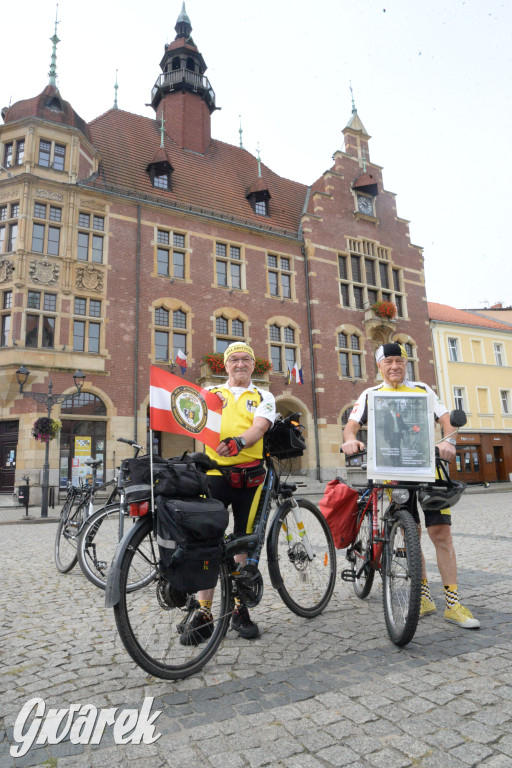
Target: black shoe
198, 630
241, 623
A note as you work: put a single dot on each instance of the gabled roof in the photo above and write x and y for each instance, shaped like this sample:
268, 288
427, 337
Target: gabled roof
446, 314
216, 181
48, 105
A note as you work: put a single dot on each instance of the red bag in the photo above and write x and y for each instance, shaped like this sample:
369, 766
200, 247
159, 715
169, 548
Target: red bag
339, 507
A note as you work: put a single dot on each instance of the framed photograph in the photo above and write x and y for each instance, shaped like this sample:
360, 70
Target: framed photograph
401, 436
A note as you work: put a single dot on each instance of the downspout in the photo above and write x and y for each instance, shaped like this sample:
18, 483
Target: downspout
310, 337
136, 348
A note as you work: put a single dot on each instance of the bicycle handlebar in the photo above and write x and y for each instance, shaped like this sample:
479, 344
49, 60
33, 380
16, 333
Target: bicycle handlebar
129, 442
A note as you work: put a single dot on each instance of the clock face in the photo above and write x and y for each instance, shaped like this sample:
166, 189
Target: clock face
365, 204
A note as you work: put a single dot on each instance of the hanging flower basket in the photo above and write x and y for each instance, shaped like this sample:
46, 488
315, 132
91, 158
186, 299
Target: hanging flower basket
45, 429
384, 309
215, 360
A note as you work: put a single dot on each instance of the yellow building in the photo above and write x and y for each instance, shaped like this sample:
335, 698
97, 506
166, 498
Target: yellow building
473, 359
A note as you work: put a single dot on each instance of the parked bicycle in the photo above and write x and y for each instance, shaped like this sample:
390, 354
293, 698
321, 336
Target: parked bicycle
77, 508
301, 560
388, 542
101, 532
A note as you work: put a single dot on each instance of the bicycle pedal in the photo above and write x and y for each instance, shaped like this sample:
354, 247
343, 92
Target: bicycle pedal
348, 575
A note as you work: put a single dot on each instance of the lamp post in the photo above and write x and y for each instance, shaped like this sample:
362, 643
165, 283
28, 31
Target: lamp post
49, 399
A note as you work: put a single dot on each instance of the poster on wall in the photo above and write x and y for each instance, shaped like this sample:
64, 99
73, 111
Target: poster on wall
401, 436
82, 452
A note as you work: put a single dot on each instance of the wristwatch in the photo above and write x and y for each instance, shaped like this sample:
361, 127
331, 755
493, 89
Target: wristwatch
242, 441
450, 440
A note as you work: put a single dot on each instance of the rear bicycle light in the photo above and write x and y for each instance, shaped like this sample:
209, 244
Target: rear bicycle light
138, 508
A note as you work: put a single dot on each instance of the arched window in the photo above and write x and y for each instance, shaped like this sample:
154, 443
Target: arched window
176, 63
350, 355
283, 347
191, 65
83, 436
228, 330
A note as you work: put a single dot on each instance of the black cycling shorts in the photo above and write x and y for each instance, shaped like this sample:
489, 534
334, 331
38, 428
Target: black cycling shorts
240, 499
442, 517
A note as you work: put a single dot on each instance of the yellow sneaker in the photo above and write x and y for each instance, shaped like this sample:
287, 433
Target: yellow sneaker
427, 606
457, 614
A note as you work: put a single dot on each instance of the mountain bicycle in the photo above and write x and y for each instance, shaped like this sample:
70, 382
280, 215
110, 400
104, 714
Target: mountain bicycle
102, 531
388, 542
301, 562
77, 508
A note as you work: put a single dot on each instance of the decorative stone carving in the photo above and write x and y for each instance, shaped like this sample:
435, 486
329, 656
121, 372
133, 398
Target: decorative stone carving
93, 205
89, 279
10, 194
47, 195
6, 270
44, 272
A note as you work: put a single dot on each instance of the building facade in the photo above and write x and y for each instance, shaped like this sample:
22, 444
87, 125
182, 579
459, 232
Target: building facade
473, 355
128, 238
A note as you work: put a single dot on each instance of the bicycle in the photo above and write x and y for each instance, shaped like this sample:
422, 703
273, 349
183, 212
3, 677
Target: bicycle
301, 562
77, 508
102, 531
387, 542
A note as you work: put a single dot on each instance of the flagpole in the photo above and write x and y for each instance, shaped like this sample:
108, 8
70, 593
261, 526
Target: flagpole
151, 469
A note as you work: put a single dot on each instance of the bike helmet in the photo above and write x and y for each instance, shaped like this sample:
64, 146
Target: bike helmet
437, 497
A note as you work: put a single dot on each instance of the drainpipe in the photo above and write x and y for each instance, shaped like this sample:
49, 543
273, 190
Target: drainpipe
310, 340
136, 348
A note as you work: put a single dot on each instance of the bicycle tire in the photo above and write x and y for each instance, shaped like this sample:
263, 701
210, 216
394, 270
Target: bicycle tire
97, 544
401, 575
65, 548
149, 620
362, 552
305, 585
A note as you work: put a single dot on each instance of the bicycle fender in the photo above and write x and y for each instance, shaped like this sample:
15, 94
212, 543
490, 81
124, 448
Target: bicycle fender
272, 562
112, 591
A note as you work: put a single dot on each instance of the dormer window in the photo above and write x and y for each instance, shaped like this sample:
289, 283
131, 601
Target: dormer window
160, 175
259, 201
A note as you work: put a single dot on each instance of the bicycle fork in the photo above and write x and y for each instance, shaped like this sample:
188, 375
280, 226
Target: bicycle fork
300, 528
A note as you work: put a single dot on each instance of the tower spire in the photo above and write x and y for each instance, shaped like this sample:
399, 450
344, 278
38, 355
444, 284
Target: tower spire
354, 110
53, 64
162, 129
115, 92
259, 161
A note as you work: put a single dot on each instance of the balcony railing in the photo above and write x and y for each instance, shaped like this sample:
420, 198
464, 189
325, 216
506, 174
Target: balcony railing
192, 80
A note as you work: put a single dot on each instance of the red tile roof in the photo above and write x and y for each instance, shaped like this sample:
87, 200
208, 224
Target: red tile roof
48, 105
444, 313
216, 181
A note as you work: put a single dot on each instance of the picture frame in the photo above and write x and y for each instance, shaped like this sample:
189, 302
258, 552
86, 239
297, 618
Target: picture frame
401, 445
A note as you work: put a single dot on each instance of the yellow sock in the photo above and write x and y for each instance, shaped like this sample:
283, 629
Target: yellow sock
206, 605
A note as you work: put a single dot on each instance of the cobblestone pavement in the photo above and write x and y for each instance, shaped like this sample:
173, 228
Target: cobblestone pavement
332, 691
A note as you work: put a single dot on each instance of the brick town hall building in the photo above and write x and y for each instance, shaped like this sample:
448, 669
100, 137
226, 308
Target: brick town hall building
127, 238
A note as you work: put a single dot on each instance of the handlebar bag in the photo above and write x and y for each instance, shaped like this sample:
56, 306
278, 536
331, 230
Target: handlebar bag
339, 507
189, 535
284, 441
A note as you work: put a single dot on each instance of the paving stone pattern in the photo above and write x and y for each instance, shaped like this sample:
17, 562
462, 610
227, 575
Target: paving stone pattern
333, 691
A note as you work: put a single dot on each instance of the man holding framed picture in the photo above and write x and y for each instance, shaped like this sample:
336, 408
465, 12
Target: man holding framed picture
392, 361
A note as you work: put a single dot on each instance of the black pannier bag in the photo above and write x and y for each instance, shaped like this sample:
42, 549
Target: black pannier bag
284, 441
189, 534
177, 477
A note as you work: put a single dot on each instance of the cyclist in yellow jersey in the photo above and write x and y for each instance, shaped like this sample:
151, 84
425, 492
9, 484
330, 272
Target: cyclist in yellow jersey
392, 361
247, 414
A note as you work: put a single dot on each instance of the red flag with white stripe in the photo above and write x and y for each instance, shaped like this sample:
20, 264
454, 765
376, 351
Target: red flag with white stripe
178, 406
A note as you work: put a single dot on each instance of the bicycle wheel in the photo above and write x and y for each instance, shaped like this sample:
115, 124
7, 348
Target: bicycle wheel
70, 522
305, 580
151, 618
97, 543
361, 556
401, 575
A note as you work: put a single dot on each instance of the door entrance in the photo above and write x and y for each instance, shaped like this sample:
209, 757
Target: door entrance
8, 446
499, 463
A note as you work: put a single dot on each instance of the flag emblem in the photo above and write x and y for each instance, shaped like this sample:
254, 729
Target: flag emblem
189, 408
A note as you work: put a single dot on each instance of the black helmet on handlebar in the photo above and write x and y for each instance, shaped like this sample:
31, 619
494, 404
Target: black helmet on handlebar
437, 497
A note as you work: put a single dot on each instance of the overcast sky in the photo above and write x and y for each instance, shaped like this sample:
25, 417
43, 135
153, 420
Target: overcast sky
431, 82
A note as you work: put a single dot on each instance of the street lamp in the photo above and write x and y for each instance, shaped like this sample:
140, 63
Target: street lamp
49, 400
